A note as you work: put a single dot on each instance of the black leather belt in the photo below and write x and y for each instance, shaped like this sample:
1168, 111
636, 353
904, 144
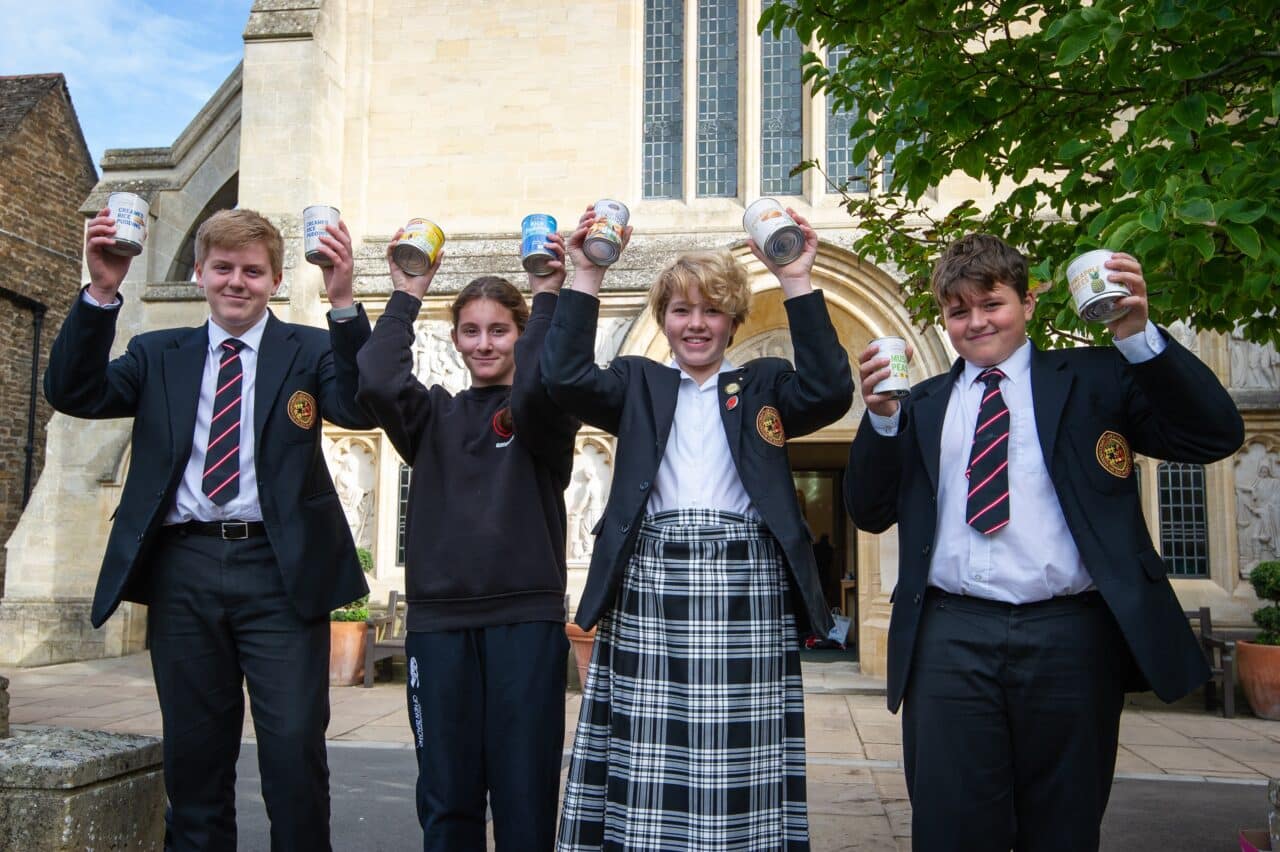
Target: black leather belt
225, 530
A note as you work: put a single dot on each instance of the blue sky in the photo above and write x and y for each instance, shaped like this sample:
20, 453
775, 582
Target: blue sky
138, 71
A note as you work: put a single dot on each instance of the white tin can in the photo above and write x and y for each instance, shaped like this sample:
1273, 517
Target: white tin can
775, 232
604, 240
130, 213
315, 221
898, 383
418, 247
1094, 294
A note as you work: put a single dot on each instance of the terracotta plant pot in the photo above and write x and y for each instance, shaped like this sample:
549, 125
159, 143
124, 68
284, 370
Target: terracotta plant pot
346, 652
1258, 667
582, 641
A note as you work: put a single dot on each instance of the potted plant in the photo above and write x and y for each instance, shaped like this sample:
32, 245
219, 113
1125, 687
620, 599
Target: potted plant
347, 634
1258, 662
582, 642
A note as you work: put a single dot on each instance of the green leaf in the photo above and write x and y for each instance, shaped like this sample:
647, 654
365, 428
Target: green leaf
1152, 220
1244, 237
1196, 210
1073, 47
1070, 150
1191, 112
1245, 211
1202, 241
1121, 233
1169, 14
1183, 64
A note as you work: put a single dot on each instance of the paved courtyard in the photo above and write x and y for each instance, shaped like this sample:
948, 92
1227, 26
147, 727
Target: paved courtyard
857, 792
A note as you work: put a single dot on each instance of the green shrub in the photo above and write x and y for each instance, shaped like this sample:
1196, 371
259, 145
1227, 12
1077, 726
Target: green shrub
1265, 579
357, 610
366, 559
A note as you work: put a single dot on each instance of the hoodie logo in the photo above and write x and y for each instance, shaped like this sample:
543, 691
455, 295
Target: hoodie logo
503, 426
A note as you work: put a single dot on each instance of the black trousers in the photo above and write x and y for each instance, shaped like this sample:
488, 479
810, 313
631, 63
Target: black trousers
220, 617
1011, 721
487, 709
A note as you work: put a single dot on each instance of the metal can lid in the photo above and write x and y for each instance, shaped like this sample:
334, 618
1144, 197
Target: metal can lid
785, 245
601, 250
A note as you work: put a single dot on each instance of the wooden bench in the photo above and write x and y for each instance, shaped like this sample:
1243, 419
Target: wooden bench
385, 637
1219, 652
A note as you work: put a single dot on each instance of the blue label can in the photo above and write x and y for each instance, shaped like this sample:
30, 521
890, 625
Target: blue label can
534, 254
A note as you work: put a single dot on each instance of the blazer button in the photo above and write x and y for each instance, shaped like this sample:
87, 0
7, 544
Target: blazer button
917, 599
925, 550
624, 528
644, 486
139, 538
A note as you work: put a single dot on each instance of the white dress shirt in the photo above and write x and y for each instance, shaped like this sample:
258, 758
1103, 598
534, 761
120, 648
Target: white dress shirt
697, 469
1034, 558
190, 503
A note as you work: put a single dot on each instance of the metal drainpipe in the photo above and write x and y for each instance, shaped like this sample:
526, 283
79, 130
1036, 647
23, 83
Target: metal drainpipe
38, 310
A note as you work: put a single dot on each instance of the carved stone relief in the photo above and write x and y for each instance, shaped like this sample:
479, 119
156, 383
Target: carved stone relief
436, 361
1253, 366
1257, 505
1185, 334
588, 490
353, 464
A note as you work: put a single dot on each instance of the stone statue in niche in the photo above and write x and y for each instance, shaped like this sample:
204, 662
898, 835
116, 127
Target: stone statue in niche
588, 490
436, 360
609, 337
1253, 365
1185, 334
1257, 506
353, 465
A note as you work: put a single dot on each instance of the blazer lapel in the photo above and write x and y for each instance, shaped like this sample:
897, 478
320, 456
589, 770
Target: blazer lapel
275, 359
183, 374
1050, 386
729, 399
928, 409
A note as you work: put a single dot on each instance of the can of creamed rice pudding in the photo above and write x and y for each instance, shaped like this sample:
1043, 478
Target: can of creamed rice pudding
1094, 294
898, 383
603, 244
130, 213
315, 222
418, 247
776, 233
534, 254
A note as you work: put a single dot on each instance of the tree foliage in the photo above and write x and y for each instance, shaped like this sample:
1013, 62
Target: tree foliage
1148, 126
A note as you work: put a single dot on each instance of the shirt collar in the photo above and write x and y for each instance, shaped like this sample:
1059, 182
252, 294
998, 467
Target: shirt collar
725, 366
252, 338
1015, 368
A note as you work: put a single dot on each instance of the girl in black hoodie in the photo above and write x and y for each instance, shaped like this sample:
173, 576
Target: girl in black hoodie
484, 558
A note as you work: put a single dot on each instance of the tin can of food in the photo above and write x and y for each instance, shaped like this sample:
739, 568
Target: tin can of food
603, 243
775, 232
315, 222
418, 247
534, 253
898, 383
1096, 297
130, 213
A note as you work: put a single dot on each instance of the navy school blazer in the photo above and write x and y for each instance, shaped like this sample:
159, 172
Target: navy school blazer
303, 374
634, 398
1093, 410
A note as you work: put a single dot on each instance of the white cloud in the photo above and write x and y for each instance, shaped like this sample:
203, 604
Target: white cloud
138, 73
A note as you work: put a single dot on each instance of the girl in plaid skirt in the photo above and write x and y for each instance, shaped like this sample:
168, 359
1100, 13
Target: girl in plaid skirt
691, 733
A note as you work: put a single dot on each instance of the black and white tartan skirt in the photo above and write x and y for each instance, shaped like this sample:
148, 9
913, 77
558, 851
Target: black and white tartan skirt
691, 732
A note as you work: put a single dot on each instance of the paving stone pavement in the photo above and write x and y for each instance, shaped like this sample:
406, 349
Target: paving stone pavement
857, 792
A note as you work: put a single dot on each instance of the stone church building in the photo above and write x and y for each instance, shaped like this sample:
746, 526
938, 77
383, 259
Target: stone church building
475, 114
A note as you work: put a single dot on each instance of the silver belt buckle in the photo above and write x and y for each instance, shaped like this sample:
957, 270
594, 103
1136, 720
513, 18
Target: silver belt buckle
235, 530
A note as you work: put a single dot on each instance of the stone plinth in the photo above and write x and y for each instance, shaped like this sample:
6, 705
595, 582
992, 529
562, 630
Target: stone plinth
4, 707
63, 789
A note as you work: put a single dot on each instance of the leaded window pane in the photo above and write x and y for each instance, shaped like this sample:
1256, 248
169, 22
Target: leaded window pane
1184, 525
717, 98
663, 98
402, 512
781, 131
841, 169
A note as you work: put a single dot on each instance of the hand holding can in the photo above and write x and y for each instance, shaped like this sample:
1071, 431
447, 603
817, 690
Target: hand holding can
316, 220
604, 242
1095, 294
418, 246
107, 268
130, 212
884, 371
534, 254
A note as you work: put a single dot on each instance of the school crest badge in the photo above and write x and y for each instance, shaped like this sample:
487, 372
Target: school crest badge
503, 426
302, 409
769, 425
1114, 455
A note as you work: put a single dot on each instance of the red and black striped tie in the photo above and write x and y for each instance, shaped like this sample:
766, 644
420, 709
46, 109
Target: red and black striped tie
988, 473
222, 455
